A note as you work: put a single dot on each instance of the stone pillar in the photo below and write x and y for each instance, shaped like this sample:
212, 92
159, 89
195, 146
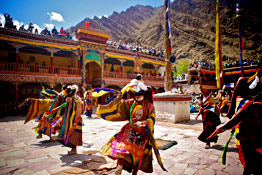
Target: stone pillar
17, 59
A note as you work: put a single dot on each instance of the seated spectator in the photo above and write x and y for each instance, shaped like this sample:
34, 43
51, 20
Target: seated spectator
192, 108
30, 28
54, 32
45, 32
62, 33
43, 64
22, 28
68, 36
36, 31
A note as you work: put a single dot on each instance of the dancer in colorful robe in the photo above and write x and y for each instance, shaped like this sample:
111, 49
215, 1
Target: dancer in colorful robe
210, 117
132, 145
39, 106
46, 122
87, 103
224, 98
245, 115
71, 123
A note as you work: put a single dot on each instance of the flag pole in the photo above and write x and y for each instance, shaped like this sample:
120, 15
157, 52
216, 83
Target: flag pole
218, 50
167, 31
238, 16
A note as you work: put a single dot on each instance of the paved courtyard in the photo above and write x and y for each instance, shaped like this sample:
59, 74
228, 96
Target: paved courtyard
22, 153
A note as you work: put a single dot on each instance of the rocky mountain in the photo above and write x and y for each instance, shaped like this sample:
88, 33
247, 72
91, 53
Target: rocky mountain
192, 27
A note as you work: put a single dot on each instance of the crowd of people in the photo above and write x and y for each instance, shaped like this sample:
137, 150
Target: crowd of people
197, 64
54, 32
11, 109
9, 21
150, 73
245, 62
135, 47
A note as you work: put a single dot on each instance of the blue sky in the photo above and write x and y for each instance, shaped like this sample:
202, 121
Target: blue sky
66, 13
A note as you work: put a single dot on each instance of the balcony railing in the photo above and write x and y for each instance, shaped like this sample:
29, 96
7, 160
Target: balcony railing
39, 69
120, 75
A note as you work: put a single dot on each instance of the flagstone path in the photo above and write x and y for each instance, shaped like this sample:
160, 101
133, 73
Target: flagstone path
22, 153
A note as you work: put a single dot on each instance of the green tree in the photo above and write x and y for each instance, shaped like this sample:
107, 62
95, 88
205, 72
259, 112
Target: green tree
181, 68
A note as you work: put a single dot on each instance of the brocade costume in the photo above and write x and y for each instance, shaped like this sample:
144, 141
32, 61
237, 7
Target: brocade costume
132, 145
245, 115
210, 119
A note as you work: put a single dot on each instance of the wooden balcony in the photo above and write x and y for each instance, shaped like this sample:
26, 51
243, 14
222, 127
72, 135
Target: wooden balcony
37, 69
133, 54
121, 79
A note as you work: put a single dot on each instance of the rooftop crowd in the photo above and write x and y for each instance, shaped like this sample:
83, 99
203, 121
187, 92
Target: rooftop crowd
53, 33
226, 65
135, 47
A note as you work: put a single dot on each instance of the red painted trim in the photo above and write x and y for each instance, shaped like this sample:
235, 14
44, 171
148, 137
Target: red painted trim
239, 72
172, 98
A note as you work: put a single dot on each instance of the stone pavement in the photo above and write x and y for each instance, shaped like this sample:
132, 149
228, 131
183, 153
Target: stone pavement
22, 153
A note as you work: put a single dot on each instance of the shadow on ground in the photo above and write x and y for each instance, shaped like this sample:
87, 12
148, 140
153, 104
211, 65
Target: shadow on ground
87, 163
220, 147
191, 122
46, 143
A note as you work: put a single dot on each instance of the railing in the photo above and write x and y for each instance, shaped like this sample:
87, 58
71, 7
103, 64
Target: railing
9, 66
132, 53
66, 70
28, 68
132, 76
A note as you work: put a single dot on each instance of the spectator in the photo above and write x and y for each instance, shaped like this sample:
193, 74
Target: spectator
68, 36
43, 64
30, 28
22, 28
45, 31
54, 32
12, 24
36, 31
7, 20
112, 69
62, 32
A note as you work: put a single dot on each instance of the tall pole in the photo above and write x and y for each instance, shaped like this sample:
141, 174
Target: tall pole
168, 78
218, 50
238, 16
